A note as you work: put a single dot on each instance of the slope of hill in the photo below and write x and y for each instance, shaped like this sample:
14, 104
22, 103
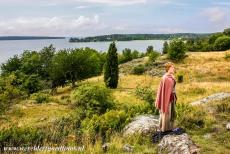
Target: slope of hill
204, 74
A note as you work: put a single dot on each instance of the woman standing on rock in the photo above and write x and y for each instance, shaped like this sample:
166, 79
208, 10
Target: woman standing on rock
166, 98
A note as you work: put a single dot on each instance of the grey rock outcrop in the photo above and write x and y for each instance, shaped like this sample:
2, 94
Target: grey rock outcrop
180, 144
214, 97
143, 124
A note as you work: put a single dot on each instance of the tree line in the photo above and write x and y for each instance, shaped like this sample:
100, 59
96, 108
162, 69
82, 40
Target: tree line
216, 42
129, 37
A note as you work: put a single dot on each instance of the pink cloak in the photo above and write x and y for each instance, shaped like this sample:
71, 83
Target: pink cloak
164, 93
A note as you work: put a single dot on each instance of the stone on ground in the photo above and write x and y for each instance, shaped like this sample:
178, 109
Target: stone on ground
180, 144
214, 97
142, 124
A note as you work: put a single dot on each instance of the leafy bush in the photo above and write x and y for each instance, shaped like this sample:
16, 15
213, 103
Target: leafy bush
60, 129
180, 78
105, 124
190, 117
146, 94
94, 99
55, 133
139, 69
153, 56
40, 97
17, 136
222, 43
9, 92
176, 50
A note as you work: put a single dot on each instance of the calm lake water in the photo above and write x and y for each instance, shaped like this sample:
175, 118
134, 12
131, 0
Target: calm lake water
11, 48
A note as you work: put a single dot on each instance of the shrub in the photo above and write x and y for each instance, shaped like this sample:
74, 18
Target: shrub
153, 56
190, 117
105, 124
146, 94
60, 129
94, 99
176, 50
40, 97
149, 50
139, 69
19, 136
222, 43
180, 78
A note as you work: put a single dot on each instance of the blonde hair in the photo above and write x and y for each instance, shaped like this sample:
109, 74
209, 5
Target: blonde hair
168, 65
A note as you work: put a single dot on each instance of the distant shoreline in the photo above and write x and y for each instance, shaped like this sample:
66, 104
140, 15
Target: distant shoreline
9, 38
131, 37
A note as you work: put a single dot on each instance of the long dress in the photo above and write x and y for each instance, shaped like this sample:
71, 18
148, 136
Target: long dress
166, 120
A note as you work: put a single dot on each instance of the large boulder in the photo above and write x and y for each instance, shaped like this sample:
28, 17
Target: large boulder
180, 144
214, 97
142, 124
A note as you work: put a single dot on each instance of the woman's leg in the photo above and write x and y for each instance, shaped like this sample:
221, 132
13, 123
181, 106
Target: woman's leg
165, 123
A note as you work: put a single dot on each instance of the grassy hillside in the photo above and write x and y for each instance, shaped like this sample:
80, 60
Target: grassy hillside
204, 74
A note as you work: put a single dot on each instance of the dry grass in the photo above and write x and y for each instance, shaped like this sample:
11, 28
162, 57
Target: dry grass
30, 114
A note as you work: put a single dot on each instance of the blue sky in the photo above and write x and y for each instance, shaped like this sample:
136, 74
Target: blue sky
99, 17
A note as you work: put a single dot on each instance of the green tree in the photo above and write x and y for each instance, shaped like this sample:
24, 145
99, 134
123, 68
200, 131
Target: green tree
58, 68
32, 83
149, 50
111, 72
12, 64
222, 43
165, 47
176, 50
213, 37
74, 65
31, 62
227, 31
46, 55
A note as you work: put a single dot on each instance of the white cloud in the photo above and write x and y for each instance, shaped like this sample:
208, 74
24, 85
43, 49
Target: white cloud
48, 2
82, 7
54, 26
214, 14
80, 2
116, 2
126, 28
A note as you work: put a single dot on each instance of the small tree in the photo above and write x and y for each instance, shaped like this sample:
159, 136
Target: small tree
111, 72
176, 50
149, 50
165, 47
